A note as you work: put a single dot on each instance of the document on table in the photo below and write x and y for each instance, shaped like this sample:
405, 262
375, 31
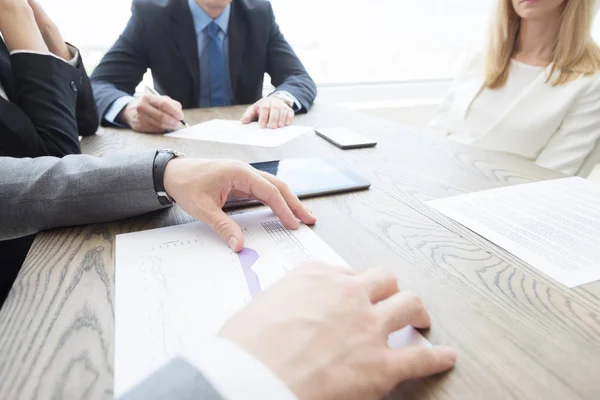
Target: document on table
553, 225
176, 286
234, 132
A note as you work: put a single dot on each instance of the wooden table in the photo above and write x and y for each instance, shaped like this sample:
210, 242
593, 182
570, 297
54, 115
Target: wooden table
519, 334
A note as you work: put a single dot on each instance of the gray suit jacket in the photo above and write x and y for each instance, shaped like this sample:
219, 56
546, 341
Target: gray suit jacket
49, 192
178, 380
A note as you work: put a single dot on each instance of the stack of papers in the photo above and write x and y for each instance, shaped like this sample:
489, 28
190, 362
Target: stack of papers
234, 132
554, 225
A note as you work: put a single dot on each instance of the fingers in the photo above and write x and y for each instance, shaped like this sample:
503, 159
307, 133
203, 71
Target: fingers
382, 284
169, 106
271, 112
161, 112
283, 117
293, 202
289, 118
263, 115
401, 310
249, 115
274, 117
419, 362
266, 192
226, 228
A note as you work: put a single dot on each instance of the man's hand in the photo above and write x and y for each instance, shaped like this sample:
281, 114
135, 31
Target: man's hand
270, 112
50, 33
324, 330
201, 188
153, 114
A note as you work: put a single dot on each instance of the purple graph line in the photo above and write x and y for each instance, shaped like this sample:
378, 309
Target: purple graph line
248, 257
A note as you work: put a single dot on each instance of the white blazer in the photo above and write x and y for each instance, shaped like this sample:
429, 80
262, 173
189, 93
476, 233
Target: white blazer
555, 127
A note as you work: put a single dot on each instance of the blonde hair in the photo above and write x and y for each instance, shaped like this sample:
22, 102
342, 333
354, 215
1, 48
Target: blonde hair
575, 53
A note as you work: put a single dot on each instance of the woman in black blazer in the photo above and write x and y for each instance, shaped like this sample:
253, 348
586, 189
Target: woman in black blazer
46, 101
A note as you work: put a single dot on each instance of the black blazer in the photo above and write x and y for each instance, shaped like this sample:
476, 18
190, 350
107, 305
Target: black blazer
51, 103
160, 35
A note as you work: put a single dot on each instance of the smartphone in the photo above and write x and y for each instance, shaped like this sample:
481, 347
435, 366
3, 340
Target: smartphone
345, 139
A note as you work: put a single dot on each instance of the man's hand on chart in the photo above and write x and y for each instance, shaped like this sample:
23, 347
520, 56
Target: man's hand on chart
270, 112
323, 330
201, 188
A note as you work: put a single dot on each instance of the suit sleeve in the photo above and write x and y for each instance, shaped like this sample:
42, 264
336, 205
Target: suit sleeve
176, 380
218, 370
572, 143
123, 67
46, 90
87, 112
286, 70
48, 192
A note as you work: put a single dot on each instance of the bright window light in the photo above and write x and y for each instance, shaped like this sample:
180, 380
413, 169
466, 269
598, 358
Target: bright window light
339, 41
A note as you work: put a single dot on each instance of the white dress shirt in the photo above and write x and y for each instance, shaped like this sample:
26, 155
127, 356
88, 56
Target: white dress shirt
236, 375
73, 62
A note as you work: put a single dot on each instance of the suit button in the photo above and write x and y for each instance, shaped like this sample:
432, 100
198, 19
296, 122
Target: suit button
73, 86
81, 80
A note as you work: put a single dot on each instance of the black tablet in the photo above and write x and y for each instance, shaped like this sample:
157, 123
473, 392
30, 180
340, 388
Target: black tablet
308, 178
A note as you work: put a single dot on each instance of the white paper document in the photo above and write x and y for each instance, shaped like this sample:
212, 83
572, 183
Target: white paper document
234, 132
553, 225
176, 286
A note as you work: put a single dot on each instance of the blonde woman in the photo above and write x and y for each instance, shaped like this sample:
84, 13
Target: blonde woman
535, 91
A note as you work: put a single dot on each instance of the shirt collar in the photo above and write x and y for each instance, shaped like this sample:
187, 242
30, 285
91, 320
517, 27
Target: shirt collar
202, 19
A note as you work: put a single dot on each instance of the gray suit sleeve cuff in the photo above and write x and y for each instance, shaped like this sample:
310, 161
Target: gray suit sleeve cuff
176, 380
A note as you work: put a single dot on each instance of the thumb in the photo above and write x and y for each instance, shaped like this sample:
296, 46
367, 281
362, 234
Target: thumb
227, 229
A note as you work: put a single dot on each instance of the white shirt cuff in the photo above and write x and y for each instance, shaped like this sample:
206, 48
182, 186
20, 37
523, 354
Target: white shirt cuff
236, 375
115, 109
74, 53
297, 105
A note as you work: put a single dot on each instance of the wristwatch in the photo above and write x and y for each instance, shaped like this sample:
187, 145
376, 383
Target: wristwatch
161, 159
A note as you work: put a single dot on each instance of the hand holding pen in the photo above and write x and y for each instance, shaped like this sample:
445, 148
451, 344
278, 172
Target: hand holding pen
153, 113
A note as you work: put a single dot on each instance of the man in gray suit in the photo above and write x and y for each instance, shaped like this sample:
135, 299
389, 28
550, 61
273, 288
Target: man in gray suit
285, 344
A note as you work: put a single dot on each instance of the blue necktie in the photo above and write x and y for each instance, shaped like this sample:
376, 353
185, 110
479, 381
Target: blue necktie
216, 63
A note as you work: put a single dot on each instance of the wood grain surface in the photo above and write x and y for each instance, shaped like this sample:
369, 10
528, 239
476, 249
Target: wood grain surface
519, 334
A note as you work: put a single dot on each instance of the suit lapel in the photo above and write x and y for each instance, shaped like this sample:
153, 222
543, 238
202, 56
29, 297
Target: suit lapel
237, 33
186, 42
533, 90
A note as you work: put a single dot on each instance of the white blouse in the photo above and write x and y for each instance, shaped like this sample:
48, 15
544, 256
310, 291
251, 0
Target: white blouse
489, 104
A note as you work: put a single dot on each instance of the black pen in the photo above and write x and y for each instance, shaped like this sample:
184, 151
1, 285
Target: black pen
154, 92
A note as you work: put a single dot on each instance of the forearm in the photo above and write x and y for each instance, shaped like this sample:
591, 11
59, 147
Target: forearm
48, 192
47, 92
19, 28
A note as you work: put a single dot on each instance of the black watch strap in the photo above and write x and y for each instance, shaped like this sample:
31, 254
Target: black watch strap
161, 159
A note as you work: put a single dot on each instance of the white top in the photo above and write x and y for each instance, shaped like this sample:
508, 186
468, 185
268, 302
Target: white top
557, 127
489, 104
